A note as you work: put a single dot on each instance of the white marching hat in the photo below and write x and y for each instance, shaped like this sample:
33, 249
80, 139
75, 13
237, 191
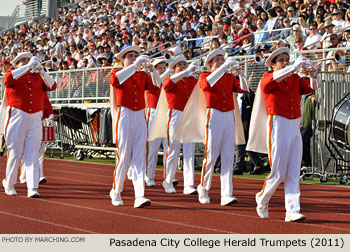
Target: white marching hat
177, 59
212, 54
133, 48
21, 56
275, 53
158, 61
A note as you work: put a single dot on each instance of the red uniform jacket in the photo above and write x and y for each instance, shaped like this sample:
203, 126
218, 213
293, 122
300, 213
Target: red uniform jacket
178, 93
131, 93
283, 98
47, 107
27, 92
153, 97
220, 96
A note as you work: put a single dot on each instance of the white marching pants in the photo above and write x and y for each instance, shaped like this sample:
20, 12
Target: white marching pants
285, 153
131, 137
41, 164
23, 137
153, 146
220, 139
173, 151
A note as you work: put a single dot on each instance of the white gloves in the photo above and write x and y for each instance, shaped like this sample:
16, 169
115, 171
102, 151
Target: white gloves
140, 59
35, 65
299, 61
231, 62
192, 68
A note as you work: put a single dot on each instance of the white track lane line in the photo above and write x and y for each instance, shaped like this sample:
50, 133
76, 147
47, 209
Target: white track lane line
113, 213
148, 189
47, 222
341, 187
249, 216
200, 209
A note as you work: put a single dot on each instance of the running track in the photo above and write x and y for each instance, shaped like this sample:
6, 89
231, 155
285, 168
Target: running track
76, 200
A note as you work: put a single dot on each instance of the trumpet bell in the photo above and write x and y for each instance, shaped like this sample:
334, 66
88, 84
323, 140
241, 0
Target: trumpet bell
56, 59
339, 56
259, 59
169, 56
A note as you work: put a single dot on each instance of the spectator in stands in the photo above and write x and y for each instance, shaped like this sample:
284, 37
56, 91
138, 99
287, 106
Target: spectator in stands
287, 25
328, 26
271, 22
337, 20
341, 6
347, 18
333, 66
306, 129
296, 33
59, 48
309, 14
264, 17
299, 44
263, 35
5, 65
346, 43
303, 25
313, 40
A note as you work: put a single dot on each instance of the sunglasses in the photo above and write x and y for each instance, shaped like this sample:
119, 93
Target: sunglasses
334, 38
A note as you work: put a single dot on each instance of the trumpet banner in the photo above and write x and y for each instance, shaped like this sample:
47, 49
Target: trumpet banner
159, 125
257, 140
191, 126
3, 114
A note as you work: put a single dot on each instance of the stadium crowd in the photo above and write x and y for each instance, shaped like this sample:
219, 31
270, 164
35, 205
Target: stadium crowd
94, 31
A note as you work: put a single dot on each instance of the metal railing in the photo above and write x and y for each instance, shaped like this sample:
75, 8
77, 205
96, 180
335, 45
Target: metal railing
92, 84
26, 12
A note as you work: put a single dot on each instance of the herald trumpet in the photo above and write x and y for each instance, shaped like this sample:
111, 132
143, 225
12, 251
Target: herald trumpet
258, 59
55, 59
169, 55
147, 65
312, 65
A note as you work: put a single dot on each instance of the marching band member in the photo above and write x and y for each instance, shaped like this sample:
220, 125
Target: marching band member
178, 88
47, 113
219, 89
152, 101
130, 133
277, 104
22, 127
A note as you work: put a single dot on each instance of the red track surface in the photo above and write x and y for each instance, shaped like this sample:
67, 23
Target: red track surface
76, 200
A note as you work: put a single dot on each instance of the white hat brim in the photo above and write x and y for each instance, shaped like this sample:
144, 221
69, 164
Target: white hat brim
21, 56
158, 61
212, 54
177, 59
275, 53
133, 48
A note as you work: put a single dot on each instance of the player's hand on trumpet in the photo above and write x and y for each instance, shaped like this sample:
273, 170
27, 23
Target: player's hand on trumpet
231, 62
34, 64
141, 59
192, 68
300, 61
